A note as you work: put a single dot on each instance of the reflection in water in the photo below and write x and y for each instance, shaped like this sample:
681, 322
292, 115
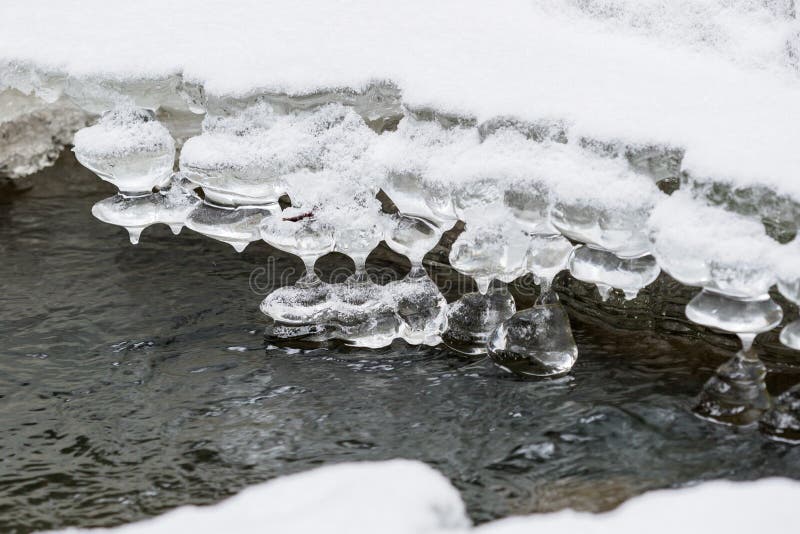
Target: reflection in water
135, 379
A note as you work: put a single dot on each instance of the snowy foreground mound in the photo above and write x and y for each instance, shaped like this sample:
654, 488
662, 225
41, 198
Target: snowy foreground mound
401, 496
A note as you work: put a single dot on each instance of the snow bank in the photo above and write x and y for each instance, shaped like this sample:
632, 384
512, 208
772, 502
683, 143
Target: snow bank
394, 497
729, 507
408, 497
716, 77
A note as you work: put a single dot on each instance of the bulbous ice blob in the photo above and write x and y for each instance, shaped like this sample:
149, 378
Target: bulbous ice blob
472, 196
169, 206
501, 168
421, 307
300, 233
225, 160
702, 245
788, 267
403, 161
736, 315
300, 305
494, 248
239, 185
547, 256
611, 212
358, 223
298, 335
128, 148
788, 270
439, 200
364, 319
740, 280
535, 342
364, 312
306, 309
250, 156
790, 289
357, 228
736, 394
175, 204
607, 271
360, 328
782, 422
412, 237
408, 193
529, 202
359, 240
236, 226
790, 335
417, 198
133, 213
474, 316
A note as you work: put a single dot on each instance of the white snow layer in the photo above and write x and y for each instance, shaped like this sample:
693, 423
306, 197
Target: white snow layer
716, 77
394, 497
408, 497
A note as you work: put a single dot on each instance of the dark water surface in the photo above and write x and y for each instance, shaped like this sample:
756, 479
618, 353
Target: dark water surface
134, 379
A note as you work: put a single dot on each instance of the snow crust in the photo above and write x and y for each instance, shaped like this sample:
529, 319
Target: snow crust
408, 497
124, 132
332, 137
716, 77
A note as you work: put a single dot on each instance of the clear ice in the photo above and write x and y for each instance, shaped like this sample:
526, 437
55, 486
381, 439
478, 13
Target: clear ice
474, 316
533, 197
129, 148
535, 342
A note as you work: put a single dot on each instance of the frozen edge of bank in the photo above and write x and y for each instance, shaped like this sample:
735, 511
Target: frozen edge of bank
737, 121
404, 496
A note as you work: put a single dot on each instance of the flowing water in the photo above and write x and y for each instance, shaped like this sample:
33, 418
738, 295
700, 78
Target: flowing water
134, 379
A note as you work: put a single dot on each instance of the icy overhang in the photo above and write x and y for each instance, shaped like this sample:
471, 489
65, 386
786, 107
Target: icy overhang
715, 78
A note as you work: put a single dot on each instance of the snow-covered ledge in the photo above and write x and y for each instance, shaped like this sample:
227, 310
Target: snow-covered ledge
716, 78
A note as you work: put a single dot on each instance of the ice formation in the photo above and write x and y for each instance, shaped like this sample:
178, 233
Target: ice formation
568, 161
34, 131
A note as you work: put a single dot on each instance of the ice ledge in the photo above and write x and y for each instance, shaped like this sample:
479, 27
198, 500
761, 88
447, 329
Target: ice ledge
33, 132
730, 97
